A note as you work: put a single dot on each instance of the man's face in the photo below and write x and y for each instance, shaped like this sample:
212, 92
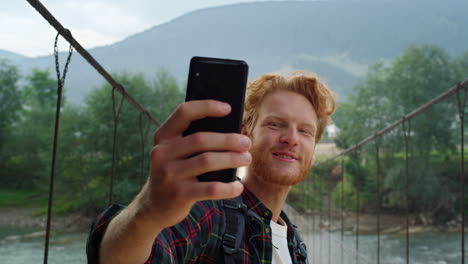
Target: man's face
283, 138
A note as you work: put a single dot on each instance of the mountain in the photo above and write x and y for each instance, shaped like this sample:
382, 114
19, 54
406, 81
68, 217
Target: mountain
11, 56
336, 39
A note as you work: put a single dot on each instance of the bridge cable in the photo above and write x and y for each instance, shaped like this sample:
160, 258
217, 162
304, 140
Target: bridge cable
314, 215
358, 209
328, 174
307, 206
461, 112
87, 56
377, 163
320, 221
116, 117
393, 125
144, 136
417, 111
342, 206
60, 82
65, 33
406, 133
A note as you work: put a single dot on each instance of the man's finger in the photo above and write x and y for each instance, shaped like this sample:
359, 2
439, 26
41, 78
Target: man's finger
201, 191
184, 147
187, 112
209, 161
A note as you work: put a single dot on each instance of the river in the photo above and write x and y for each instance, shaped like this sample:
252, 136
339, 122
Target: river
25, 246
425, 248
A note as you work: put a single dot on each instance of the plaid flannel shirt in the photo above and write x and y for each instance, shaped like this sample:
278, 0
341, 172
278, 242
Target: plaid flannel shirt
198, 238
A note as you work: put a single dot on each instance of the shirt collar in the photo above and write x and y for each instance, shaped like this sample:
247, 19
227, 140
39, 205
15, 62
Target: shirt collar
254, 204
288, 222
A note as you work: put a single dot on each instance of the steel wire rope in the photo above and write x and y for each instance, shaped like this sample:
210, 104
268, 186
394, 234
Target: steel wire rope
393, 125
87, 56
377, 164
350, 251
116, 117
357, 224
143, 134
461, 112
320, 223
310, 216
342, 207
328, 173
357, 214
60, 83
406, 133
67, 35
314, 225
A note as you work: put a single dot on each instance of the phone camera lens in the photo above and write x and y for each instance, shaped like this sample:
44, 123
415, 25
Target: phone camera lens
197, 74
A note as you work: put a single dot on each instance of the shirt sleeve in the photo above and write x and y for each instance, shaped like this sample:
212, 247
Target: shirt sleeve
98, 227
186, 242
196, 238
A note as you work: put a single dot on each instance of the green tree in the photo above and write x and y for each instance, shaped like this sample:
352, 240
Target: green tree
10, 98
462, 67
167, 94
84, 156
10, 105
389, 92
87, 140
416, 77
367, 110
41, 89
30, 159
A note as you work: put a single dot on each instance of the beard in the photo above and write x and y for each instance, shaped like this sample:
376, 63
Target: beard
262, 167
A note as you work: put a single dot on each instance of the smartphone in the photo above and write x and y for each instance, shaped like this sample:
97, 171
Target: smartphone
222, 80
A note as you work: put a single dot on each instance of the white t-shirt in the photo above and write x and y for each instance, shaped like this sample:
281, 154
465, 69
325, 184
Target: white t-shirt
280, 243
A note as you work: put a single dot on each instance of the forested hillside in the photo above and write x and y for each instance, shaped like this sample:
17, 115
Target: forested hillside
336, 39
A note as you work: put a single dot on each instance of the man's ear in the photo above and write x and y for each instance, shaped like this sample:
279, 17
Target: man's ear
244, 130
313, 160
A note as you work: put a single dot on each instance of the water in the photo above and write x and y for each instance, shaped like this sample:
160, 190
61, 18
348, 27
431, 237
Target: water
429, 248
29, 247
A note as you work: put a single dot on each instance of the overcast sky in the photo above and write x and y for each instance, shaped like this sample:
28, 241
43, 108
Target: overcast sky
92, 22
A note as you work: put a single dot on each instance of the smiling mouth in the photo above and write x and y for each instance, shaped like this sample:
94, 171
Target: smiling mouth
284, 156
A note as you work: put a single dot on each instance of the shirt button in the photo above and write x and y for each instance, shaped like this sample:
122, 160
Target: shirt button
267, 229
266, 213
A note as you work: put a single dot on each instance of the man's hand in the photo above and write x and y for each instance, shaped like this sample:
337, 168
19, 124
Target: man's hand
173, 187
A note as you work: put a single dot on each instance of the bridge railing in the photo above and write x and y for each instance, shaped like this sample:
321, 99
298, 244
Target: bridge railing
385, 197
344, 208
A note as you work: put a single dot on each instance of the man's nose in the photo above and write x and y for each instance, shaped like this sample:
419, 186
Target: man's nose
290, 136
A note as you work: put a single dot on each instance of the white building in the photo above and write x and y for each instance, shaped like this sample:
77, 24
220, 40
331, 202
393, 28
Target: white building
332, 130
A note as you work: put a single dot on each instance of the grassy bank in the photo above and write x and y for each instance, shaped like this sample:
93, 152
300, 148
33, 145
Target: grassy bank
22, 198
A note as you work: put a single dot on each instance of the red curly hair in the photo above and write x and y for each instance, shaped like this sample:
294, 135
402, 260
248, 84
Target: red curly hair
308, 85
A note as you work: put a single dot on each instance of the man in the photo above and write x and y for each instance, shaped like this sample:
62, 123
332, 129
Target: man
176, 219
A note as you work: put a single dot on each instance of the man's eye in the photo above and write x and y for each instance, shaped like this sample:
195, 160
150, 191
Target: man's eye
305, 131
274, 125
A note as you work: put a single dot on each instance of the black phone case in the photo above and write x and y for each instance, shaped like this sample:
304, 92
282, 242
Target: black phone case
223, 80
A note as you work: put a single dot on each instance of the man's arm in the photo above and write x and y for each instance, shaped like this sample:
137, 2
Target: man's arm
128, 237
172, 187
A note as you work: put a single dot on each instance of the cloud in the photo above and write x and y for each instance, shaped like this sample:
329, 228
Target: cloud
24, 31
342, 61
92, 22
28, 36
103, 17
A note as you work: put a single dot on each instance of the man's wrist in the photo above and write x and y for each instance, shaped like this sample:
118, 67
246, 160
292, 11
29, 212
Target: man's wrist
140, 210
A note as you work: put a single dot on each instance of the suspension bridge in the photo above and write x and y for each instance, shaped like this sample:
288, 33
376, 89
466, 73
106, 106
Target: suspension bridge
335, 222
